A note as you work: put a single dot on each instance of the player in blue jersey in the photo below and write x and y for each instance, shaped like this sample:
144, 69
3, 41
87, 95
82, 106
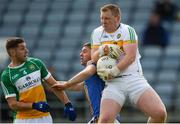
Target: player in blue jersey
88, 80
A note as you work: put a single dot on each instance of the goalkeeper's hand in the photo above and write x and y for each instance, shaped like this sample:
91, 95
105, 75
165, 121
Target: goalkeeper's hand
107, 74
111, 50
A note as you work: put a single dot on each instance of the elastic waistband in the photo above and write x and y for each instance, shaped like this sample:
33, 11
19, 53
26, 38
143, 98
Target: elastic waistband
120, 76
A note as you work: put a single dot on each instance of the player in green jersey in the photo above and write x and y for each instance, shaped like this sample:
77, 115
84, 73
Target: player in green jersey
22, 86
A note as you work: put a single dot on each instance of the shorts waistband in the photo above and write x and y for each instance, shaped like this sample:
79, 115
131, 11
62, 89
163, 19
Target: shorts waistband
120, 76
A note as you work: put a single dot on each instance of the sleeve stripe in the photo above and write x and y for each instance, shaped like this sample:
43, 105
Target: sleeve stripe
49, 74
132, 34
10, 75
11, 95
4, 89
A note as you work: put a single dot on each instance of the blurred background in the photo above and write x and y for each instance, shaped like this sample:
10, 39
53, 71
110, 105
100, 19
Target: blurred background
55, 30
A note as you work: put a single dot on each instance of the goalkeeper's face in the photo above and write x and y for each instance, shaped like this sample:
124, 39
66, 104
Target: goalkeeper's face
85, 55
109, 21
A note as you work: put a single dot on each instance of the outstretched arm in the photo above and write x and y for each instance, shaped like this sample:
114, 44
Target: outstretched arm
79, 78
60, 94
77, 87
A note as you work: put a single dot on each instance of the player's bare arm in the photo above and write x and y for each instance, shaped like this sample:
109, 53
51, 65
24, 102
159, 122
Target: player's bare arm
60, 94
17, 105
80, 77
94, 54
77, 87
63, 85
130, 55
83, 75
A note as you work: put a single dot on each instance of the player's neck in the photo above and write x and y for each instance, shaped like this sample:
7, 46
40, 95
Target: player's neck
15, 63
114, 29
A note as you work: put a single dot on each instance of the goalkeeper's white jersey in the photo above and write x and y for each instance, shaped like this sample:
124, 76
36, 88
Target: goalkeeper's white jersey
122, 36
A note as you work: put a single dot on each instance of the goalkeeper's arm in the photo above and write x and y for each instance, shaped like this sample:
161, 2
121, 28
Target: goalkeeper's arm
129, 58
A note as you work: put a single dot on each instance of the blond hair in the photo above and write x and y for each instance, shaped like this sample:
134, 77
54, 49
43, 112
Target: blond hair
115, 9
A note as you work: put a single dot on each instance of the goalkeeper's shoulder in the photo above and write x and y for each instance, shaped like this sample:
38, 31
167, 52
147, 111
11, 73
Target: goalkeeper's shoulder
127, 29
98, 31
125, 26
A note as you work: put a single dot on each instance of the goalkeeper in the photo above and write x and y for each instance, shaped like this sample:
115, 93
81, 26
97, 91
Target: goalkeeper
125, 80
22, 86
88, 81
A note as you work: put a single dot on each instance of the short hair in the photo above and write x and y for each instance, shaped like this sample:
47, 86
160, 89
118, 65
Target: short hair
13, 43
87, 44
115, 9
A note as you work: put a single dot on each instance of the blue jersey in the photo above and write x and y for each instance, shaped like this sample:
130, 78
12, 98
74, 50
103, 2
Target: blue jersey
95, 87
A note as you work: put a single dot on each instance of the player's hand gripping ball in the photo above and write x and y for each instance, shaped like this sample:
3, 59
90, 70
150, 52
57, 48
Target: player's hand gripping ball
106, 68
111, 50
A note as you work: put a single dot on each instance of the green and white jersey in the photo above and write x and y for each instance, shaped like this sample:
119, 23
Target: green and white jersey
25, 83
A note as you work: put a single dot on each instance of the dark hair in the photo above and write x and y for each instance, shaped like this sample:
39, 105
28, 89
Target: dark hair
13, 43
115, 9
88, 44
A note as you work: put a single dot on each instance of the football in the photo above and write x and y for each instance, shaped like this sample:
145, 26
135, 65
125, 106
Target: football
104, 63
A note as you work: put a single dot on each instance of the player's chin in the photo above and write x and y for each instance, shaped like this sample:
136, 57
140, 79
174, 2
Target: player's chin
81, 62
104, 26
25, 57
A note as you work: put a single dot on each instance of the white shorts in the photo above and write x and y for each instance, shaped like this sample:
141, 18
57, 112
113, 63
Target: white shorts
45, 119
131, 87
